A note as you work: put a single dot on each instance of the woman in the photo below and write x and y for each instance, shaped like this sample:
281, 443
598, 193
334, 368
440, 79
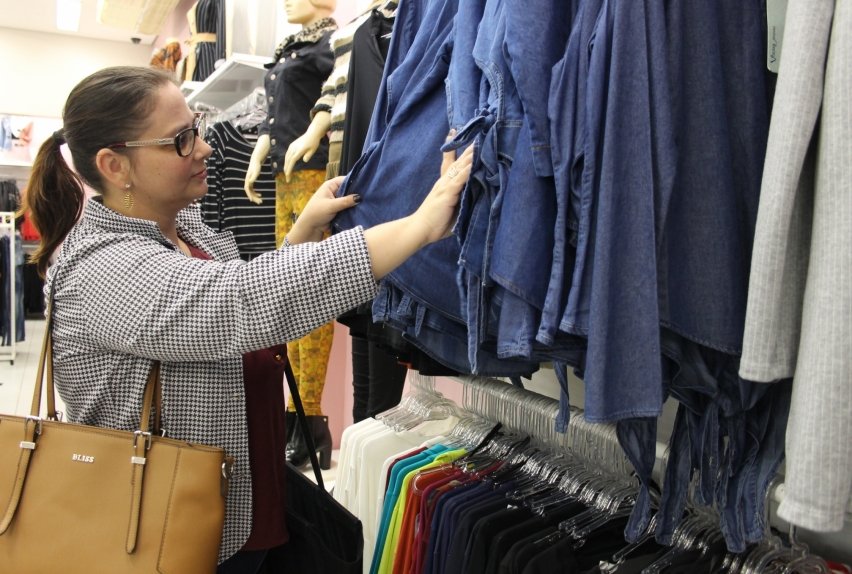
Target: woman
140, 279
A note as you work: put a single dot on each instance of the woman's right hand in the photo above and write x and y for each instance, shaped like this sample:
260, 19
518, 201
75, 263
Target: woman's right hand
438, 211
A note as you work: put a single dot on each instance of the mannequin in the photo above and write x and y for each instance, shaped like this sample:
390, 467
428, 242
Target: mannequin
293, 83
377, 375
207, 38
328, 112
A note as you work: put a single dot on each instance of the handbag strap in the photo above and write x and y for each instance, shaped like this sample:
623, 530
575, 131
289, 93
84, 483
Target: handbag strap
303, 422
150, 398
141, 438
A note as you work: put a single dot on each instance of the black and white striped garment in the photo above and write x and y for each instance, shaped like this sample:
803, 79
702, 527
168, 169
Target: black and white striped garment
226, 207
209, 18
125, 295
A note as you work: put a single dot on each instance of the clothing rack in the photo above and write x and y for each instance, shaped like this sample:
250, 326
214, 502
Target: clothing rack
533, 413
7, 228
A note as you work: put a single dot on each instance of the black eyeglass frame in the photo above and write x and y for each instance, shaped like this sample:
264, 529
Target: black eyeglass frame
198, 128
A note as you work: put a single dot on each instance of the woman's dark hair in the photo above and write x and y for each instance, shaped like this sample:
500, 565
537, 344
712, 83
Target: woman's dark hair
107, 107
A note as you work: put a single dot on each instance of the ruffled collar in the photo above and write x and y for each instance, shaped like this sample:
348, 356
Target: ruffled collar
308, 34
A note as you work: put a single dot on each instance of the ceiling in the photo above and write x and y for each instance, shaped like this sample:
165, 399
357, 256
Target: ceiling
40, 16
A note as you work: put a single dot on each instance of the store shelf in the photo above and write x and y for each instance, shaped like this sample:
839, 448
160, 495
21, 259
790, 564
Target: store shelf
229, 83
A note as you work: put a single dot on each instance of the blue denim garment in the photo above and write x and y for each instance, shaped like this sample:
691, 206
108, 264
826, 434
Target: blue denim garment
740, 496
511, 322
708, 225
566, 110
514, 42
721, 113
523, 239
520, 265
638, 438
756, 478
392, 183
613, 294
442, 339
493, 129
465, 83
413, 108
728, 435
535, 37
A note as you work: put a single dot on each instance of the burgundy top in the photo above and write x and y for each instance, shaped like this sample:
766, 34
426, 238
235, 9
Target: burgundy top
267, 438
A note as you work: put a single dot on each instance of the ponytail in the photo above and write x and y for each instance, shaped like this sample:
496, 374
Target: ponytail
54, 199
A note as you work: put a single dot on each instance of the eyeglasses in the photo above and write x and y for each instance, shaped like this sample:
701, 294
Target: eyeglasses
184, 141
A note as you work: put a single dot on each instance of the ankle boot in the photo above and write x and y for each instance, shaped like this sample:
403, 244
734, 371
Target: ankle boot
297, 448
290, 423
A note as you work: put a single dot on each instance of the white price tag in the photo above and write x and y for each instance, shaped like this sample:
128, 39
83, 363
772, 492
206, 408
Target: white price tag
776, 13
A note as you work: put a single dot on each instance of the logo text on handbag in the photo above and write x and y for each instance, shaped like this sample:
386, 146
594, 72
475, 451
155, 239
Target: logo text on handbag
82, 458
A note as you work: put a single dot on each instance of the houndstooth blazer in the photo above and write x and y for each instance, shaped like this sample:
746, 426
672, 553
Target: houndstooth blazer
124, 296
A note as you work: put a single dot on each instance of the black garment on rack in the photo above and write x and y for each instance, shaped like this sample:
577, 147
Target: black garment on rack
366, 65
225, 207
10, 196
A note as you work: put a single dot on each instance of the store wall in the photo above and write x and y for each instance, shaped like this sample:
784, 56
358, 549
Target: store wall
38, 70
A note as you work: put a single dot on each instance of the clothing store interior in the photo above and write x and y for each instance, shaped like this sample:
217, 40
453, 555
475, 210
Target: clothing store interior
574, 380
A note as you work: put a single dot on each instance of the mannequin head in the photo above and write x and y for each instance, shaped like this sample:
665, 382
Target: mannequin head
306, 12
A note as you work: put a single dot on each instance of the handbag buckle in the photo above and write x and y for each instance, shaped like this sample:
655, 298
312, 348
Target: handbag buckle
30, 444
146, 435
37, 421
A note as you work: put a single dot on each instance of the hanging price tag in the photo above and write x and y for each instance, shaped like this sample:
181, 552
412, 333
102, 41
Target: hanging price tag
776, 12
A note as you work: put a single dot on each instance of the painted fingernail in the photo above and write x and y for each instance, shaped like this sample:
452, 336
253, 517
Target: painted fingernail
356, 198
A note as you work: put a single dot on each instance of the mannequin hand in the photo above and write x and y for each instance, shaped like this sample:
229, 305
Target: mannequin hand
258, 155
438, 211
302, 148
252, 174
313, 222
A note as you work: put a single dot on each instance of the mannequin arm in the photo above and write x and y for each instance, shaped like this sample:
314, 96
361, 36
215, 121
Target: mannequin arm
306, 145
261, 150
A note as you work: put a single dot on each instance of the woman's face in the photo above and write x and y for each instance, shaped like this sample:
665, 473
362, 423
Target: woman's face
161, 181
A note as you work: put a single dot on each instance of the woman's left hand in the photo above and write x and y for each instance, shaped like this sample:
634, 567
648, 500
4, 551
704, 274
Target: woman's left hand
313, 222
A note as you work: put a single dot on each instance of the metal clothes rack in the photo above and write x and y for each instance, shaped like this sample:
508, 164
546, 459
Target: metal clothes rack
7, 228
532, 413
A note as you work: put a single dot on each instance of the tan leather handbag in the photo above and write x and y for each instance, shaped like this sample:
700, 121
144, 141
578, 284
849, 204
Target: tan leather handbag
82, 499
